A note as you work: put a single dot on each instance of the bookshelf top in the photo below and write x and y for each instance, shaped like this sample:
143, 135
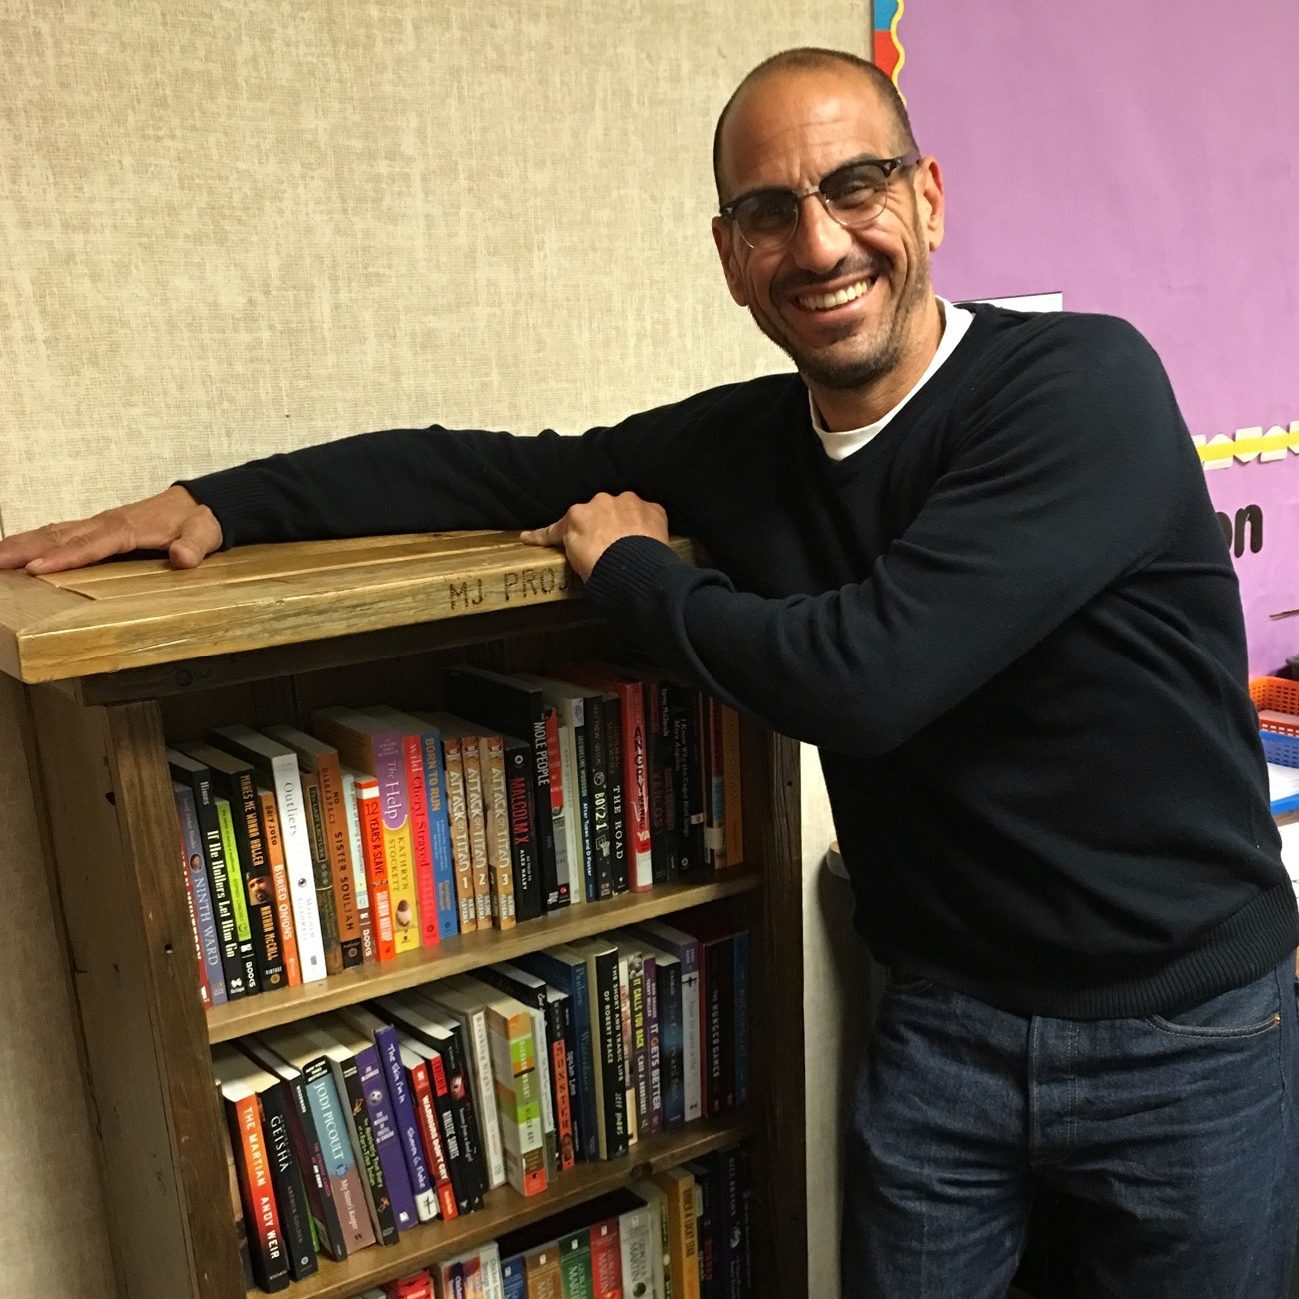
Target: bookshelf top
135, 614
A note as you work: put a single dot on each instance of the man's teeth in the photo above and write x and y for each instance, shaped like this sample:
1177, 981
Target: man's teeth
824, 301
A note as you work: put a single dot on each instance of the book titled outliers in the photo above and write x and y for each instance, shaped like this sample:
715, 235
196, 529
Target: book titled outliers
351, 1128
377, 832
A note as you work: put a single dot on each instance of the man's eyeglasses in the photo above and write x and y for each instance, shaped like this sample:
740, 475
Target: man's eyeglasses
854, 195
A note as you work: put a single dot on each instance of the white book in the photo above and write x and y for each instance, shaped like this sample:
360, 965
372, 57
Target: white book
277, 765
656, 1201
637, 1242
464, 1000
489, 1260
359, 882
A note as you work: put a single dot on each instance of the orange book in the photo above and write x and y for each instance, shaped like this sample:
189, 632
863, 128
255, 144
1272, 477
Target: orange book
541, 1266
683, 1230
370, 813
731, 800
280, 880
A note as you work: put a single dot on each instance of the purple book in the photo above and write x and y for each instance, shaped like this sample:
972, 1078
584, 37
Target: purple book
652, 1052
387, 1143
196, 867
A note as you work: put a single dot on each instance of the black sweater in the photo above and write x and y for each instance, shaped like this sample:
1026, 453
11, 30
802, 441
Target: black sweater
1009, 623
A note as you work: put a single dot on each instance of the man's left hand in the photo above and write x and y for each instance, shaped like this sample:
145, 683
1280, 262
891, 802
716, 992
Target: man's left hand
587, 531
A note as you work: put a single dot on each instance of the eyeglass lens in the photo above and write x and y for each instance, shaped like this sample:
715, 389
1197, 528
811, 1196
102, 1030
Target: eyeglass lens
853, 195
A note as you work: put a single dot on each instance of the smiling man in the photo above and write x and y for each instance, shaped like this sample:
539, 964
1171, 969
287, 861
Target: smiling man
969, 554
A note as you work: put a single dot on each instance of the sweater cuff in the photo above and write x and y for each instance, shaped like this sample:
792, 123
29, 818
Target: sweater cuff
628, 577
241, 501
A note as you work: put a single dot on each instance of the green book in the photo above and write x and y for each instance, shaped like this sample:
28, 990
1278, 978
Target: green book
575, 1264
238, 898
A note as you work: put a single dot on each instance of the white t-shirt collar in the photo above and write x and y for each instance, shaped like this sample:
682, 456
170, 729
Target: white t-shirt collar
839, 446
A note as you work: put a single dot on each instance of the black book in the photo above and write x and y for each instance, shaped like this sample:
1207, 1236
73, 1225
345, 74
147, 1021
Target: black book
290, 1191
234, 779
514, 708
523, 842
606, 1036
664, 839
447, 1154
600, 808
688, 771
619, 821
306, 1146
706, 1227
409, 1011
196, 777
717, 971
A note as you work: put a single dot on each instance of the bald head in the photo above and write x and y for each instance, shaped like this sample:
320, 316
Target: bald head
813, 60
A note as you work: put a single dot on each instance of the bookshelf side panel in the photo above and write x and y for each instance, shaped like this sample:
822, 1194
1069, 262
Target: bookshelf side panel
772, 841
134, 975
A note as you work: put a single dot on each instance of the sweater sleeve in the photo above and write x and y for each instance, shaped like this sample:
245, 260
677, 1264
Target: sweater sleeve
1065, 477
438, 479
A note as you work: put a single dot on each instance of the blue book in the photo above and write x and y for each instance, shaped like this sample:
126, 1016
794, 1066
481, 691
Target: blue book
444, 871
514, 1278
567, 971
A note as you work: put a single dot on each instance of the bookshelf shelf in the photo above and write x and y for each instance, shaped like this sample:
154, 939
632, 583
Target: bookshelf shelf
466, 952
505, 1210
117, 659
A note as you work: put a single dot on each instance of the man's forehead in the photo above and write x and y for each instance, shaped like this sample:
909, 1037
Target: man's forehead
808, 115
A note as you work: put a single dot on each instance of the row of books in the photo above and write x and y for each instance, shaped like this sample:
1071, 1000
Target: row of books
684, 1233
352, 1127
382, 832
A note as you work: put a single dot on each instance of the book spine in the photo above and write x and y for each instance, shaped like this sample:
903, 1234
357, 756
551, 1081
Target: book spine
715, 824
347, 1079
607, 1039
549, 849
671, 1042
237, 1205
338, 845
475, 1026
653, 1046
606, 1259
662, 807
431, 1139
458, 1163
549, 1124
731, 1201
232, 964
421, 839
636, 782
514, 1279
523, 849
389, 770
476, 814
204, 988
557, 1048
340, 1159
461, 851
423, 1193
270, 820
265, 1239
456, 1058
238, 899
315, 1174
296, 837
619, 824
628, 1050
322, 872
496, 817
635, 1247
733, 798
286, 1180
370, 816
356, 855
717, 975
575, 1263
706, 1220
444, 870
195, 863
388, 1142
579, 792
258, 884
683, 1231
564, 803
686, 950
565, 1004
518, 1100
638, 1061
597, 779
687, 767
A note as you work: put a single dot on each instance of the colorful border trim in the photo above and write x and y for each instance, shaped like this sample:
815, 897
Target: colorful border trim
888, 52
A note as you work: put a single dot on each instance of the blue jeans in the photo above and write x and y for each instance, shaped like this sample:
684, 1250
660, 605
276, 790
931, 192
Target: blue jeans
1175, 1136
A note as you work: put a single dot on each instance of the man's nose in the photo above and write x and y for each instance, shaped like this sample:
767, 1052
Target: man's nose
820, 242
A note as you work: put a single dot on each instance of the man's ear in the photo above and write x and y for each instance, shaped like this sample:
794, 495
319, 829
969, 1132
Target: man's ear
931, 201
724, 238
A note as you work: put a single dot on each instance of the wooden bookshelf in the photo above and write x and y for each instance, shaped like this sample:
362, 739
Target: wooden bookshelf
119, 659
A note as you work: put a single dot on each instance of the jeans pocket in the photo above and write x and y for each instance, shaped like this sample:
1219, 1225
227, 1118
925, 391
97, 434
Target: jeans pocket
900, 981
1238, 1012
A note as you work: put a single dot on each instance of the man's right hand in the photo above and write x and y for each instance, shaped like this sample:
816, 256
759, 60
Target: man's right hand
172, 521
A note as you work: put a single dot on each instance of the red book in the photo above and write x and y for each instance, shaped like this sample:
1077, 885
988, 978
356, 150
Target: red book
606, 1260
421, 1086
280, 881
370, 813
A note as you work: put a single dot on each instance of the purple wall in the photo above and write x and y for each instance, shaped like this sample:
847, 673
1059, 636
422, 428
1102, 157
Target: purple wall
1142, 158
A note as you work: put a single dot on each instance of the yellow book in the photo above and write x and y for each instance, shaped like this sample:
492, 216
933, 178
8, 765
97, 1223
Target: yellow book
377, 747
683, 1232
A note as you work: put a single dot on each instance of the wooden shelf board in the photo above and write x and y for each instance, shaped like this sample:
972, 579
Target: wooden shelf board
467, 952
141, 613
505, 1210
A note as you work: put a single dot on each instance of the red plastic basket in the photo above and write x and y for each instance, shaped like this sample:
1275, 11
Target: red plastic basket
1278, 695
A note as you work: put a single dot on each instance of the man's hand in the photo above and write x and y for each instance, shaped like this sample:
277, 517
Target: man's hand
587, 531
172, 521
